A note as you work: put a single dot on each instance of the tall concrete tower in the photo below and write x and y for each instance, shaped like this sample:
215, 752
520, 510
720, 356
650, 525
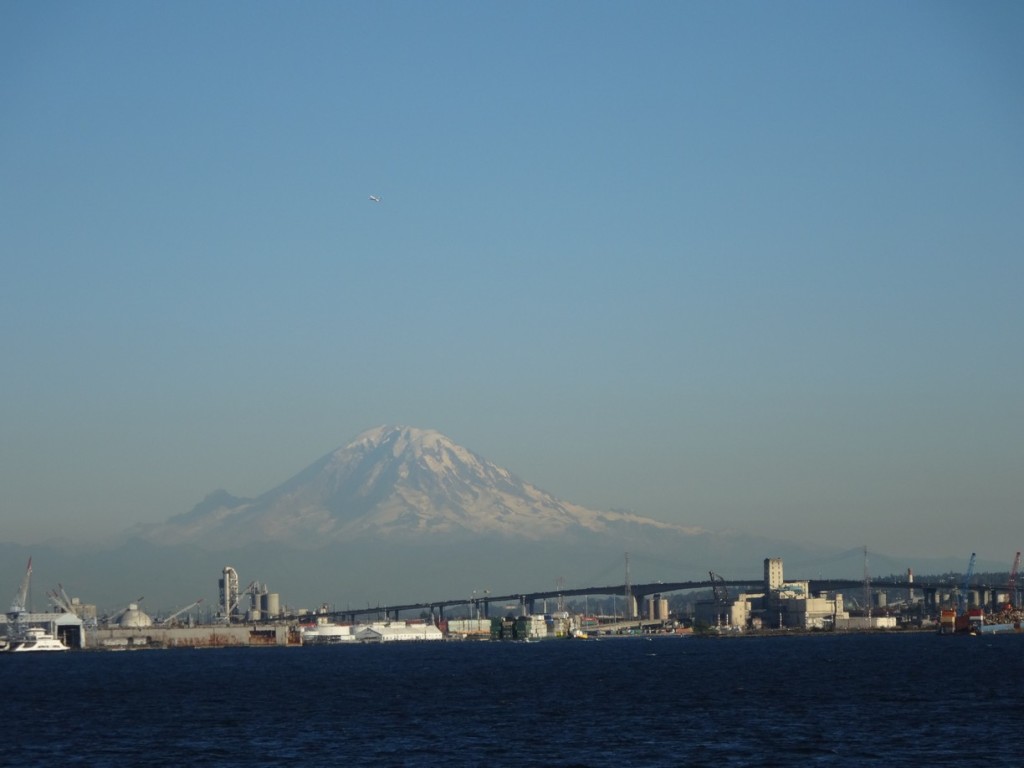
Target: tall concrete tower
228, 584
772, 574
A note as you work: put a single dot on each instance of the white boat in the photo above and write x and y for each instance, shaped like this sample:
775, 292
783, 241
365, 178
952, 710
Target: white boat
36, 639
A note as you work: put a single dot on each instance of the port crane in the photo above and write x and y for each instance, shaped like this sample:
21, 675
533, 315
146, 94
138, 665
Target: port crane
60, 599
19, 604
1014, 595
721, 597
718, 588
961, 598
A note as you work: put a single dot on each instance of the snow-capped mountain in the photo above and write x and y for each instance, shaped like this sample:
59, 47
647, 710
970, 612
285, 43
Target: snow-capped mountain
402, 515
399, 484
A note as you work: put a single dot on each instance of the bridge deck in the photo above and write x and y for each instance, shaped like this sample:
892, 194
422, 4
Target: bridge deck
638, 591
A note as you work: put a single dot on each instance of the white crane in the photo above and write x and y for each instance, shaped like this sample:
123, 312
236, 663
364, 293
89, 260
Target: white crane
18, 605
60, 599
116, 617
176, 614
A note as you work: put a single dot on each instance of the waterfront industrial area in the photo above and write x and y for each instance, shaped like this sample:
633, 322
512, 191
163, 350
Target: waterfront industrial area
255, 615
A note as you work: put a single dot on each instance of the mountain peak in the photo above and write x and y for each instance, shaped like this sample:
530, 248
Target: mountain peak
400, 436
395, 483
409, 443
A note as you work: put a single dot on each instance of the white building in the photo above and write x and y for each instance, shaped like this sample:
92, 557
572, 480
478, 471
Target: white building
813, 612
783, 603
325, 633
397, 631
773, 573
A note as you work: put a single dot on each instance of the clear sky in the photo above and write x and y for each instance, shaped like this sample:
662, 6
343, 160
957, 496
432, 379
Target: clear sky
749, 266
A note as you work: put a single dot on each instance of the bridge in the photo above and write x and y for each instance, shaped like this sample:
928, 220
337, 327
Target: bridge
527, 601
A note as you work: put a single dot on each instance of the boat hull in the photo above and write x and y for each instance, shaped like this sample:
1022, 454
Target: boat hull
991, 629
36, 641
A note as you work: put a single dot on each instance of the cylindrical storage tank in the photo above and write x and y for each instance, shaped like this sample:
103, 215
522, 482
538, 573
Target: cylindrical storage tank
254, 615
272, 604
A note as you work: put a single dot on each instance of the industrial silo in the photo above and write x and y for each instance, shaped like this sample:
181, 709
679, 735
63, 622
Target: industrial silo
270, 602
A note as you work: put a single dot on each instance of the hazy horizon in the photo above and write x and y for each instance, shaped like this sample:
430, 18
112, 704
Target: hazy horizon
744, 267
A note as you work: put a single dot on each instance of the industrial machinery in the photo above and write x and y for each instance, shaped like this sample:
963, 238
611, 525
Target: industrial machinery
961, 597
120, 613
19, 604
60, 600
1014, 593
721, 599
228, 593
721, 594
178, 613
957, 620
961, 619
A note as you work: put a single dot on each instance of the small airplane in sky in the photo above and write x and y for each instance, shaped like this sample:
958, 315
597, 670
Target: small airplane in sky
375, 198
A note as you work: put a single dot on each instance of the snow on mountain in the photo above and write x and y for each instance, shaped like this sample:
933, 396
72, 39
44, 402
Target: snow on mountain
395, 483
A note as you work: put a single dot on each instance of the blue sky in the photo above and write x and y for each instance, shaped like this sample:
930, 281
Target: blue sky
748, 266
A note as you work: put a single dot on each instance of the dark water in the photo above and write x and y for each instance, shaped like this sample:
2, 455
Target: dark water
845, 700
